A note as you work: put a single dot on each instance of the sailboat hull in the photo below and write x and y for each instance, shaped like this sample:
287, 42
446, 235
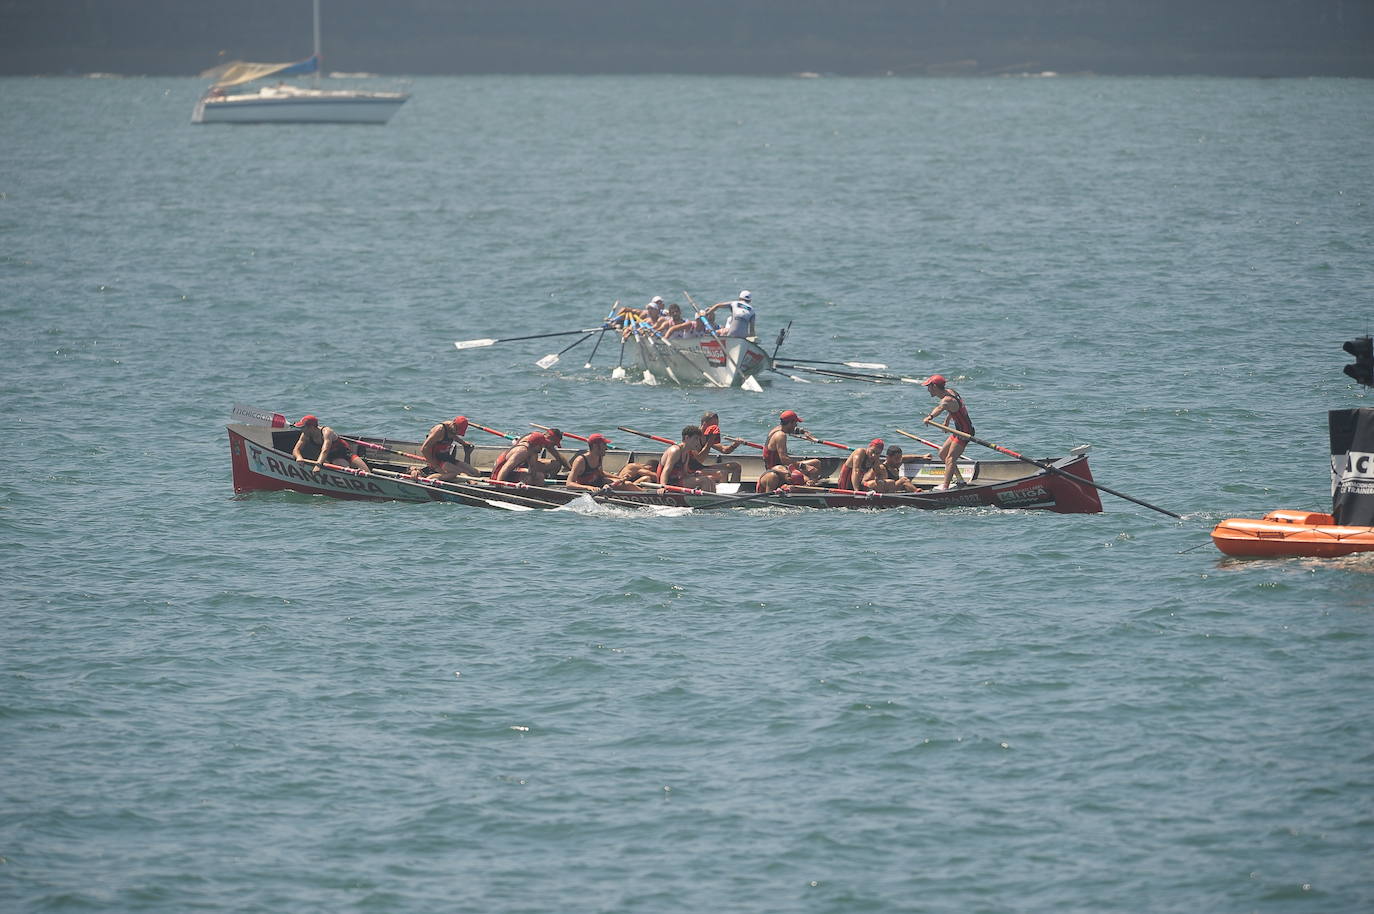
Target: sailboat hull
292, 105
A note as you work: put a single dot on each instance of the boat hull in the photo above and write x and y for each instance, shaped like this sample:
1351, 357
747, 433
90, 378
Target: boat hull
701, 360
1291, 533
299, 106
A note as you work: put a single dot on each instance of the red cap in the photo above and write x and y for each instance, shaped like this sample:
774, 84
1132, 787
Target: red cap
594, 437
797, 477
537, 440
788, 415
710, 430
460, 423
307, 420
876, 442
937, 379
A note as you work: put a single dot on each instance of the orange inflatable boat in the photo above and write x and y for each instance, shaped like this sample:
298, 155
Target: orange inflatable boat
1291, 533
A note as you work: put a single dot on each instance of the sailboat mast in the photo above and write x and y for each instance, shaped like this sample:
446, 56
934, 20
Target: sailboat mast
319, 61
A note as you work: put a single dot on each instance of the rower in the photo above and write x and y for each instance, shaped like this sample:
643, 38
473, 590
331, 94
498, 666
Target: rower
953, 447
651, 314
775, 455
887, 475
858, 468
440, 450
553, 438
741, 320
520, 462
639, 472
586, 471
321, 445
721, 470
674, 467
673, 325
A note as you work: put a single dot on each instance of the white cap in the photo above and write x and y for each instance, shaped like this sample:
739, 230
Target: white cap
744, 296
656, 300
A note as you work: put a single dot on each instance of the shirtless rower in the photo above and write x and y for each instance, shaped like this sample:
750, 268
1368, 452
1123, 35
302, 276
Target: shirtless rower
775, 455
887, 475
587, 472
520, 462
320, 445
857, 472
953, 448
439, 452
639, 472
721, 470
674, 467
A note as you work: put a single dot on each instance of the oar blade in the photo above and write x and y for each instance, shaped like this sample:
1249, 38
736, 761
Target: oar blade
548, 361
873, 366
472, 344
618, 373
752, 385
649, 378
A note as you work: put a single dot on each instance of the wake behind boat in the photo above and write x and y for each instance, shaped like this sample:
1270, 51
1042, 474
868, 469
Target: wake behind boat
289, 104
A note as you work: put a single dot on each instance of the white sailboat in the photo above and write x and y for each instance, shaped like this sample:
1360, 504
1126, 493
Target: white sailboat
288, 104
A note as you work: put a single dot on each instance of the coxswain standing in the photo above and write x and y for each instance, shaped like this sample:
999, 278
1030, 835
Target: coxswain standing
953, 448
857, 472
439, 451
321, 445
741, 320
586, 471
674, 467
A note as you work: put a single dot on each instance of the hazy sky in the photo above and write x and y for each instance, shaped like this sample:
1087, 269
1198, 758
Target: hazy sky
1243, 37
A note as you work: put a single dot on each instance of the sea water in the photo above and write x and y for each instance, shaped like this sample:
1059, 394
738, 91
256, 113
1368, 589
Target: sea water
277, 702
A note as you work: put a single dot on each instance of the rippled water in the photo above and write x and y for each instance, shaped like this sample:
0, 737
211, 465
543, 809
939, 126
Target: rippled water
278, 702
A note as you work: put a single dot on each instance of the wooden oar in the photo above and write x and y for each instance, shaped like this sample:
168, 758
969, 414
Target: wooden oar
1045, 466
552, 358
930, 444
475, 344
874, 366
646, 435
855, 375
491, 431
605, 325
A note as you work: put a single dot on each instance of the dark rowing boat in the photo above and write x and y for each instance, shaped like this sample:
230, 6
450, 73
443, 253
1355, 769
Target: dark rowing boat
261, 459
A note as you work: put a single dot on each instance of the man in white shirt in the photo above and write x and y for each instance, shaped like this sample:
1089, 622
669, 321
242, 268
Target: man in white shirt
741, 320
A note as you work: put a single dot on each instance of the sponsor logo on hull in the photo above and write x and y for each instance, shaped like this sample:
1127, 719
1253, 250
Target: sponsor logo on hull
273, 467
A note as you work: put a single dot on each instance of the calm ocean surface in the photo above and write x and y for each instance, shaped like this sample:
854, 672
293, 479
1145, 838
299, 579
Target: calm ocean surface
283, 703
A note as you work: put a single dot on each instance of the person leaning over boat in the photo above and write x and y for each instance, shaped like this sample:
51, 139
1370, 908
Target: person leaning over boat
887, 475
857, 472
520, 462
775, 454
321, 445
953, 448
722, 470
587, 471
439, 454
741, 320
674, 467
556, 460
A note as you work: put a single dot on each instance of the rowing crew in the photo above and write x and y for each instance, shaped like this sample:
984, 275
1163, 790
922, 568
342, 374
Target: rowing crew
535, 458
667, 320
